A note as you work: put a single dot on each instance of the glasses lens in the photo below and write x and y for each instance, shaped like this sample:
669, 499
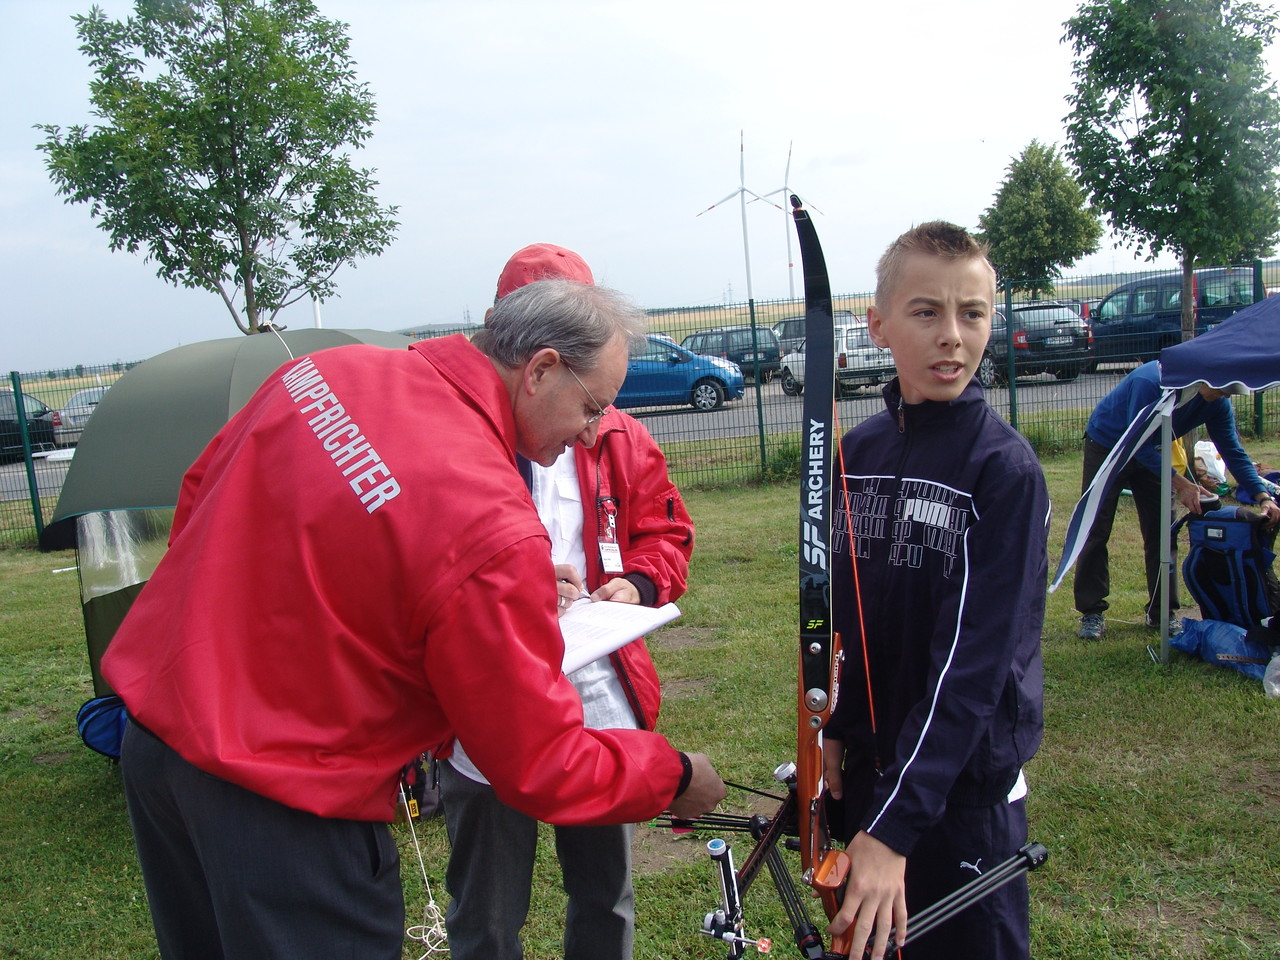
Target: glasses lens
595, 403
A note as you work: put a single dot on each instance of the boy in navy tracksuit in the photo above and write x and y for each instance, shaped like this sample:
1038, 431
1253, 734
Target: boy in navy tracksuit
949, 512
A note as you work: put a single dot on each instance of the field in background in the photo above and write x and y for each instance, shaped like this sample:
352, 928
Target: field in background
1157, 790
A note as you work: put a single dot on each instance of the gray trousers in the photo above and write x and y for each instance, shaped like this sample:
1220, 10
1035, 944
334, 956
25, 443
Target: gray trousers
230, 873
491, 870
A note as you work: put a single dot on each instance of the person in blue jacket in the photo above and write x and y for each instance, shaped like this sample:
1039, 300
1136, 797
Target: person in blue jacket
1201, 406
940, 702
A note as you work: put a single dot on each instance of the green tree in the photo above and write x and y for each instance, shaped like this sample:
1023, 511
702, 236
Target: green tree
1174, 127
221, 149
1039, 223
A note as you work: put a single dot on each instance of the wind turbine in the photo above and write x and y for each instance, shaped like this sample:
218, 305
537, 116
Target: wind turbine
741, 193
787, 192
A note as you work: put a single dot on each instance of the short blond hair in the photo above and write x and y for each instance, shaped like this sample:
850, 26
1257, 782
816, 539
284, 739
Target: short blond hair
937, 238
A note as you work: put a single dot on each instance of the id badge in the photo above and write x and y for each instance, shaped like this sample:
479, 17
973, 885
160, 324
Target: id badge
610, 557
610, 552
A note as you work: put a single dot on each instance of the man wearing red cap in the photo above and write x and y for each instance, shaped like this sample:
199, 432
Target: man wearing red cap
347, 587
620, 530
541, 261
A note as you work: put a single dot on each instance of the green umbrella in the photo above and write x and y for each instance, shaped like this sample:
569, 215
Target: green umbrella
154, 421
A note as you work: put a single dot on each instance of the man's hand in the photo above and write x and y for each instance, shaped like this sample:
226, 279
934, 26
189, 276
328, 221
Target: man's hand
619, 590
1189, 493
875, 900
1270, 513
568, 587
704, 792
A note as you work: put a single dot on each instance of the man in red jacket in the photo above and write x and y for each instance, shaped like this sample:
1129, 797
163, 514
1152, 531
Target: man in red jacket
620, 531
357, 575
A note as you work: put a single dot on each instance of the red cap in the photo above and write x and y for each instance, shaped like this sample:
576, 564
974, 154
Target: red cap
542, 261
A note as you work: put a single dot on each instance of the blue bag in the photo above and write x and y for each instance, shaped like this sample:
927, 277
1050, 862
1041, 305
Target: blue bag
1224, 644
1228, 568
101, 724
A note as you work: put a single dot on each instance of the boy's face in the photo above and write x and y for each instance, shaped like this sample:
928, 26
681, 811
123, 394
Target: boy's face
936, 322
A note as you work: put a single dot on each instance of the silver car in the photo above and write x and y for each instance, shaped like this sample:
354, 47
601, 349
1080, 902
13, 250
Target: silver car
859, 362
70, 420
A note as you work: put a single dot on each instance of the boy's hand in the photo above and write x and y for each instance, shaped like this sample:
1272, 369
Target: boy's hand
832, 762
875, 900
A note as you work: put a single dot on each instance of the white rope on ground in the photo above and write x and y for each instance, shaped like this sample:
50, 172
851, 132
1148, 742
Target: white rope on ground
430, 933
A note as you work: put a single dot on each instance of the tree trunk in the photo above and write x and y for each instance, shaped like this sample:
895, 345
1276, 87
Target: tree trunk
1188, 296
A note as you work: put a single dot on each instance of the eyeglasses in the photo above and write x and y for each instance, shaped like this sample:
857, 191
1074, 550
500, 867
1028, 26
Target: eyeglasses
594, 402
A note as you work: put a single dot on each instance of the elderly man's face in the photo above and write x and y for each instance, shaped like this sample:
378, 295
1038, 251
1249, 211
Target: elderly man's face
560, 406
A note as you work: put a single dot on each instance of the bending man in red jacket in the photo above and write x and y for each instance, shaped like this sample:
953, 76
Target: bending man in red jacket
619, 529
355, 577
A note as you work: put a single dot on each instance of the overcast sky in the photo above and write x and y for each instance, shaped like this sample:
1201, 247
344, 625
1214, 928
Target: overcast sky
602, 126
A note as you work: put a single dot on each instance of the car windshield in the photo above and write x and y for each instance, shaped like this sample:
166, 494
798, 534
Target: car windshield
30, 405
654, 349
1046, 314
87, 398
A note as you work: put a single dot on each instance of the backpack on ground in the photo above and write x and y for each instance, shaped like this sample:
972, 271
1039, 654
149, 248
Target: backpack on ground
1228, 645
1228, 568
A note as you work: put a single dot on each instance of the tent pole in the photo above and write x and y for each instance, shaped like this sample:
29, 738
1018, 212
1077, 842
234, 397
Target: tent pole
1166, 540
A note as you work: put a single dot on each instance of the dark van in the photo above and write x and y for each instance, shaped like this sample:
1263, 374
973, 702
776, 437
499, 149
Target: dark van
747, 348
1140, 318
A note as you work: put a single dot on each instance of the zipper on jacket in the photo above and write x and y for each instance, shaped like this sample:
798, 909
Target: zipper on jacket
595, 545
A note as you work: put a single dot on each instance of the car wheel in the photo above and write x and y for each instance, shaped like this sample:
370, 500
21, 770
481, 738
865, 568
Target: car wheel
1067, 373
989, 372
789, 384
707, 394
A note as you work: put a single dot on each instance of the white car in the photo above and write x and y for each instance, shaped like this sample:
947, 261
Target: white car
859, 362
70, 421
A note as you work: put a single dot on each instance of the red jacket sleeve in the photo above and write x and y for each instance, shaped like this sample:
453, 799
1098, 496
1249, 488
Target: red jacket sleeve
493, 654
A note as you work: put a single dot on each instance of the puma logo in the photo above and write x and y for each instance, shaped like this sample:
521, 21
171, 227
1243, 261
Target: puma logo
975, 867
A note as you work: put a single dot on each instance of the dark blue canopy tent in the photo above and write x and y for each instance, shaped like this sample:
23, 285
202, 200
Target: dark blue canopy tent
1242, 351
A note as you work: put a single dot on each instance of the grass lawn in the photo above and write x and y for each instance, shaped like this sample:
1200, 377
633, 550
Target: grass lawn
1157, 790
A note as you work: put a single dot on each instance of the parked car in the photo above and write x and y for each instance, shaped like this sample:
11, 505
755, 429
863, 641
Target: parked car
740, 345
68, 423
791, 376
1048, 337
858, 361
790, 330
660, 373
1138, 319
39, 426
1083, 306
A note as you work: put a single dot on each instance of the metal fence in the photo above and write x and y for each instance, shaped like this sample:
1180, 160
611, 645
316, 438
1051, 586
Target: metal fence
752, 439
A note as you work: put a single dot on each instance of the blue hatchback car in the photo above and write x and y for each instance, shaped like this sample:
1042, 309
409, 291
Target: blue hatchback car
660, 373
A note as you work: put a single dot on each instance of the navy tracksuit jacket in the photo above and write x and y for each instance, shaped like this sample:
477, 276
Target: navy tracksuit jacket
949, 512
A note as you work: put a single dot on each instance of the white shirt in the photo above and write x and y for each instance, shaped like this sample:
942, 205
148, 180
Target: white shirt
558, 498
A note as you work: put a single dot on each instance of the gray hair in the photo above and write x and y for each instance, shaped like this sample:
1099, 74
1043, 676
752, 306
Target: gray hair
576, 319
